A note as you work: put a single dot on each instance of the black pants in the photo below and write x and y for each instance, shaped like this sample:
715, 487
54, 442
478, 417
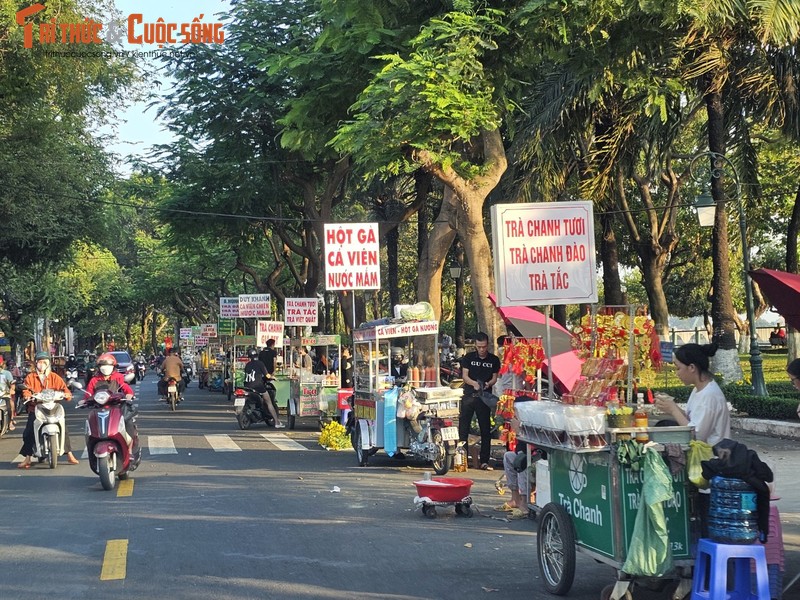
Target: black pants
471, 404
29, 441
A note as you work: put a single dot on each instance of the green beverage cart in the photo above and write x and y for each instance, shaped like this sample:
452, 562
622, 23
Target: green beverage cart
586, 501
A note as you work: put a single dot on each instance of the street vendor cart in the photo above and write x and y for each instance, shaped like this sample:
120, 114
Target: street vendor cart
587, 501
596, 489
314, 392
398, 402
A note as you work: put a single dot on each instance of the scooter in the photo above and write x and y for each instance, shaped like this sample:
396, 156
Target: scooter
5, 413
141, 369
173, 396
187, 374
48, 426
113, 451
426, 436
249, 408
71, 376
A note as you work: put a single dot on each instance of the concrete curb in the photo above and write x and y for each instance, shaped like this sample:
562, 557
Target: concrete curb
780, 429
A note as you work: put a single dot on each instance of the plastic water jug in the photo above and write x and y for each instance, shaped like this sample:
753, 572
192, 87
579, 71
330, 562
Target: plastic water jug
732, 517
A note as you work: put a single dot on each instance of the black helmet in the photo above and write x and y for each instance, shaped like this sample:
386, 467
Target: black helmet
252, 354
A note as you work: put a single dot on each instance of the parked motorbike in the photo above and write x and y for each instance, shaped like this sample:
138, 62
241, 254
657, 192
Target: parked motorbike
427, 436
249, 408
450, 372
141, 370
113, 451
48, 426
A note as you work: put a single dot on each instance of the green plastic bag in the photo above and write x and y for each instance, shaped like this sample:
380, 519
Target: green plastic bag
698, 452
649, 553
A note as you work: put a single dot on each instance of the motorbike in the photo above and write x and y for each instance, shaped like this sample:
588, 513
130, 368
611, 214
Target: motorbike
5, 413
91, 369
428, 435
48, 426
141, 369
188, 373
249, 408
71, 375
450, 372
113, 451
173, 396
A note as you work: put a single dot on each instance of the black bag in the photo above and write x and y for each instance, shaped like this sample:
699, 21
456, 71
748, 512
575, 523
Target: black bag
489, 399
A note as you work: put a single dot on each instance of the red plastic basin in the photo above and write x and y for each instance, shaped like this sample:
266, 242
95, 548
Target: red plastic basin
444, 489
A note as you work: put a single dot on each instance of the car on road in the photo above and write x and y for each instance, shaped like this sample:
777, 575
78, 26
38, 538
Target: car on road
124, 362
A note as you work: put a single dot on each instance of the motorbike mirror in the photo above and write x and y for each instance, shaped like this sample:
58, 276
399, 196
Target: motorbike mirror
129, 377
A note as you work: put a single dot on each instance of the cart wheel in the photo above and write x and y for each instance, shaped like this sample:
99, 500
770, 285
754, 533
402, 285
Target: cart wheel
465, 510
442, 463
606, 593
555, 541
429, 510
361, 455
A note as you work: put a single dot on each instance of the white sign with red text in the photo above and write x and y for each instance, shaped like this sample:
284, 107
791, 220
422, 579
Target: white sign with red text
268, 330
301, 311
254, 305
544, 253
352, 256
229, 307
208, 330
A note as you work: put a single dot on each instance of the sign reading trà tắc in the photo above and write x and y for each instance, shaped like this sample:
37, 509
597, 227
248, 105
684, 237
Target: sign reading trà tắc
301, 311
544, 253
352, 256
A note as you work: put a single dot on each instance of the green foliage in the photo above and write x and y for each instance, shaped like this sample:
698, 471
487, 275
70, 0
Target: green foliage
436, 100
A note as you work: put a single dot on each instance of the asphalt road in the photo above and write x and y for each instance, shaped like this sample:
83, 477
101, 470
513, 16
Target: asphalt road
230, 514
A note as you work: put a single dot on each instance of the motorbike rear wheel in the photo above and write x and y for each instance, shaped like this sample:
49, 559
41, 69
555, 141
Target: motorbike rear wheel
107, 475
444, 461
173, 402
244, 420
52, 456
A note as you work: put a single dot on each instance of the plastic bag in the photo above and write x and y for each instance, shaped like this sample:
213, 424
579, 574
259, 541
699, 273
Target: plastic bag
698, 452
489, 399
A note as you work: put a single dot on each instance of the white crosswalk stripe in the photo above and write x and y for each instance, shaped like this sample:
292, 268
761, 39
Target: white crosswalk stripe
222, 443
282, 441
161, 444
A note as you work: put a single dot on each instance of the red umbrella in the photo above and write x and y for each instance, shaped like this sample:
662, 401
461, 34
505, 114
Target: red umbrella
782, 289
529, 323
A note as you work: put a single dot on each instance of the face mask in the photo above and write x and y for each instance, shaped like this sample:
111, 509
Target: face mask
42, 366
107, 369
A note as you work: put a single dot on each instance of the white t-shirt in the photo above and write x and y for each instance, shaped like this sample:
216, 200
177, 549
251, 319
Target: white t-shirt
708, 412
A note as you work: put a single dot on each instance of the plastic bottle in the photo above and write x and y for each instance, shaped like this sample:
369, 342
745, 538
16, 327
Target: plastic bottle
460, 460
640, 419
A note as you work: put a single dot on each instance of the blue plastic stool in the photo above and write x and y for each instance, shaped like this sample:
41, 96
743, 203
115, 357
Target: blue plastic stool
712, 565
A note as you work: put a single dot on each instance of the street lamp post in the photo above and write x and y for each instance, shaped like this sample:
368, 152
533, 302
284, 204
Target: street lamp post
706, 206
455, 272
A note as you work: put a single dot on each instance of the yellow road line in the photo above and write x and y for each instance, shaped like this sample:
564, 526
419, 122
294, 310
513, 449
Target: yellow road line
125, 489
115, 560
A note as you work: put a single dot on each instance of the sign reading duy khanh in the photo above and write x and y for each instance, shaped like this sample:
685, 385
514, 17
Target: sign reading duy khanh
544, 253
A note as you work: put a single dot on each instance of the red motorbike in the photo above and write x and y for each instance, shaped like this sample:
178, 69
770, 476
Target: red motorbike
113, 451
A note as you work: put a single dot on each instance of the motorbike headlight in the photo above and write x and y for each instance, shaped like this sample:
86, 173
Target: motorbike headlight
102, 397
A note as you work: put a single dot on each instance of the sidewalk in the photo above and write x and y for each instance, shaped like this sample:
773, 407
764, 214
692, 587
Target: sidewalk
781, 429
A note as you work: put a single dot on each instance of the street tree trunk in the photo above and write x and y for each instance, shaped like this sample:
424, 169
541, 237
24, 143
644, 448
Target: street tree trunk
726, 361
470, 196
793, 230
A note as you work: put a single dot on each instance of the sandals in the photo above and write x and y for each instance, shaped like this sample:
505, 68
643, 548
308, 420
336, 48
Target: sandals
518, 513
505, 507
24, 465
12, 425
73, 461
